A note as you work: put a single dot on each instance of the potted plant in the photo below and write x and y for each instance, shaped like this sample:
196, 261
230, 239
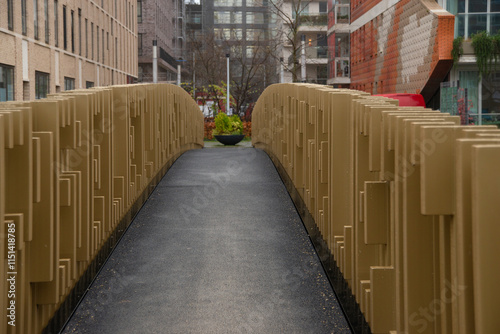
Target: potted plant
228, 129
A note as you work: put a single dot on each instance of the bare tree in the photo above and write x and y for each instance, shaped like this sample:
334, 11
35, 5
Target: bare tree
251, 62
290, 14
252, 71
209, 66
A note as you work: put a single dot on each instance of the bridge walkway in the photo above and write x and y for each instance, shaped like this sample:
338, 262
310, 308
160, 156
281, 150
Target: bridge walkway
217, 248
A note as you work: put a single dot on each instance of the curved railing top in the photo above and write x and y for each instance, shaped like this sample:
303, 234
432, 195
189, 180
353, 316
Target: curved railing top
74, 169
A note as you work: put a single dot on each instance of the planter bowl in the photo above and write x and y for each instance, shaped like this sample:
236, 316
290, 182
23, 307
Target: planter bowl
229, 139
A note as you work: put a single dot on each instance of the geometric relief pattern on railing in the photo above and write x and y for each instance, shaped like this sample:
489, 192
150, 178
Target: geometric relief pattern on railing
71, 167
405, 198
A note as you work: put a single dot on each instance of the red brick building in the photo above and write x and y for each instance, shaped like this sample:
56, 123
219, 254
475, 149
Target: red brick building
395, 46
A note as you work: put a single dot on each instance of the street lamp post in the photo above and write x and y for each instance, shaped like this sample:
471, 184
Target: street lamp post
179, 72
282, 79
155, 63
303, 59
194, 77
227, 97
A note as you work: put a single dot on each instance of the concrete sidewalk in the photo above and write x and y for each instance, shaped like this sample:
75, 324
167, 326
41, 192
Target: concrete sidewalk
217, 248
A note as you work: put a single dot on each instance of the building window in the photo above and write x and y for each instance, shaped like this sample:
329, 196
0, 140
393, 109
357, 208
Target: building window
250, 51
46, 14
56, 22
255, 3
495, 6
194, 18
92, 38
490, 108
97, 33
140, 74
6, 83
342, 45
116, 52
72, 32
254, 35
103, 46
226, 17
139, 11
69, 83
10, 14
304, 8
255, 18
80, 31
130, 16
86, 38
139, 43
35, 18
222, 17
89, 84
41, 85
323, 7
475, 16
65, 33
474, 94
230, 3
23, 16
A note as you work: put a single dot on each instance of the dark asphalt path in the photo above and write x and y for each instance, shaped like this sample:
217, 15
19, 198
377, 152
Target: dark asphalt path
217, 248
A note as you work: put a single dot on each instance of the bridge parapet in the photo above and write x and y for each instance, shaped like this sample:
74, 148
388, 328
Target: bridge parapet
74, 169
403, 199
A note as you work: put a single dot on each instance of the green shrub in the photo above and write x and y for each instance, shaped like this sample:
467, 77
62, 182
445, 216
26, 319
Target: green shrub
457, 50
483, 48
227, 125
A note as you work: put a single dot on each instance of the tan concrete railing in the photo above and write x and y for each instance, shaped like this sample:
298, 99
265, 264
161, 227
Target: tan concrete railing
74, 169
407, 202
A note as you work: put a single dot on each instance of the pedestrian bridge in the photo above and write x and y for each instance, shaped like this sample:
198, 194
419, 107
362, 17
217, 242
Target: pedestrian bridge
399, 203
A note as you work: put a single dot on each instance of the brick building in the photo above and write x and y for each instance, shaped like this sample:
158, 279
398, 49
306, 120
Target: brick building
163, 21
394, 45
48, 46
404, 46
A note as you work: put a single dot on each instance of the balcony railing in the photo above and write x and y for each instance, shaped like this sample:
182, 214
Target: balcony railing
312, 52
313, 19
316, 52
468, 24
342, 13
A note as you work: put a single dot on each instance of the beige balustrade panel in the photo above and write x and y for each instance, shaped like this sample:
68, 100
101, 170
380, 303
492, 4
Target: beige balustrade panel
71, 168
403, 197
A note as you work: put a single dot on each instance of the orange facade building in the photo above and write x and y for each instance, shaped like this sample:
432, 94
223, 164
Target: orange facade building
396, 46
